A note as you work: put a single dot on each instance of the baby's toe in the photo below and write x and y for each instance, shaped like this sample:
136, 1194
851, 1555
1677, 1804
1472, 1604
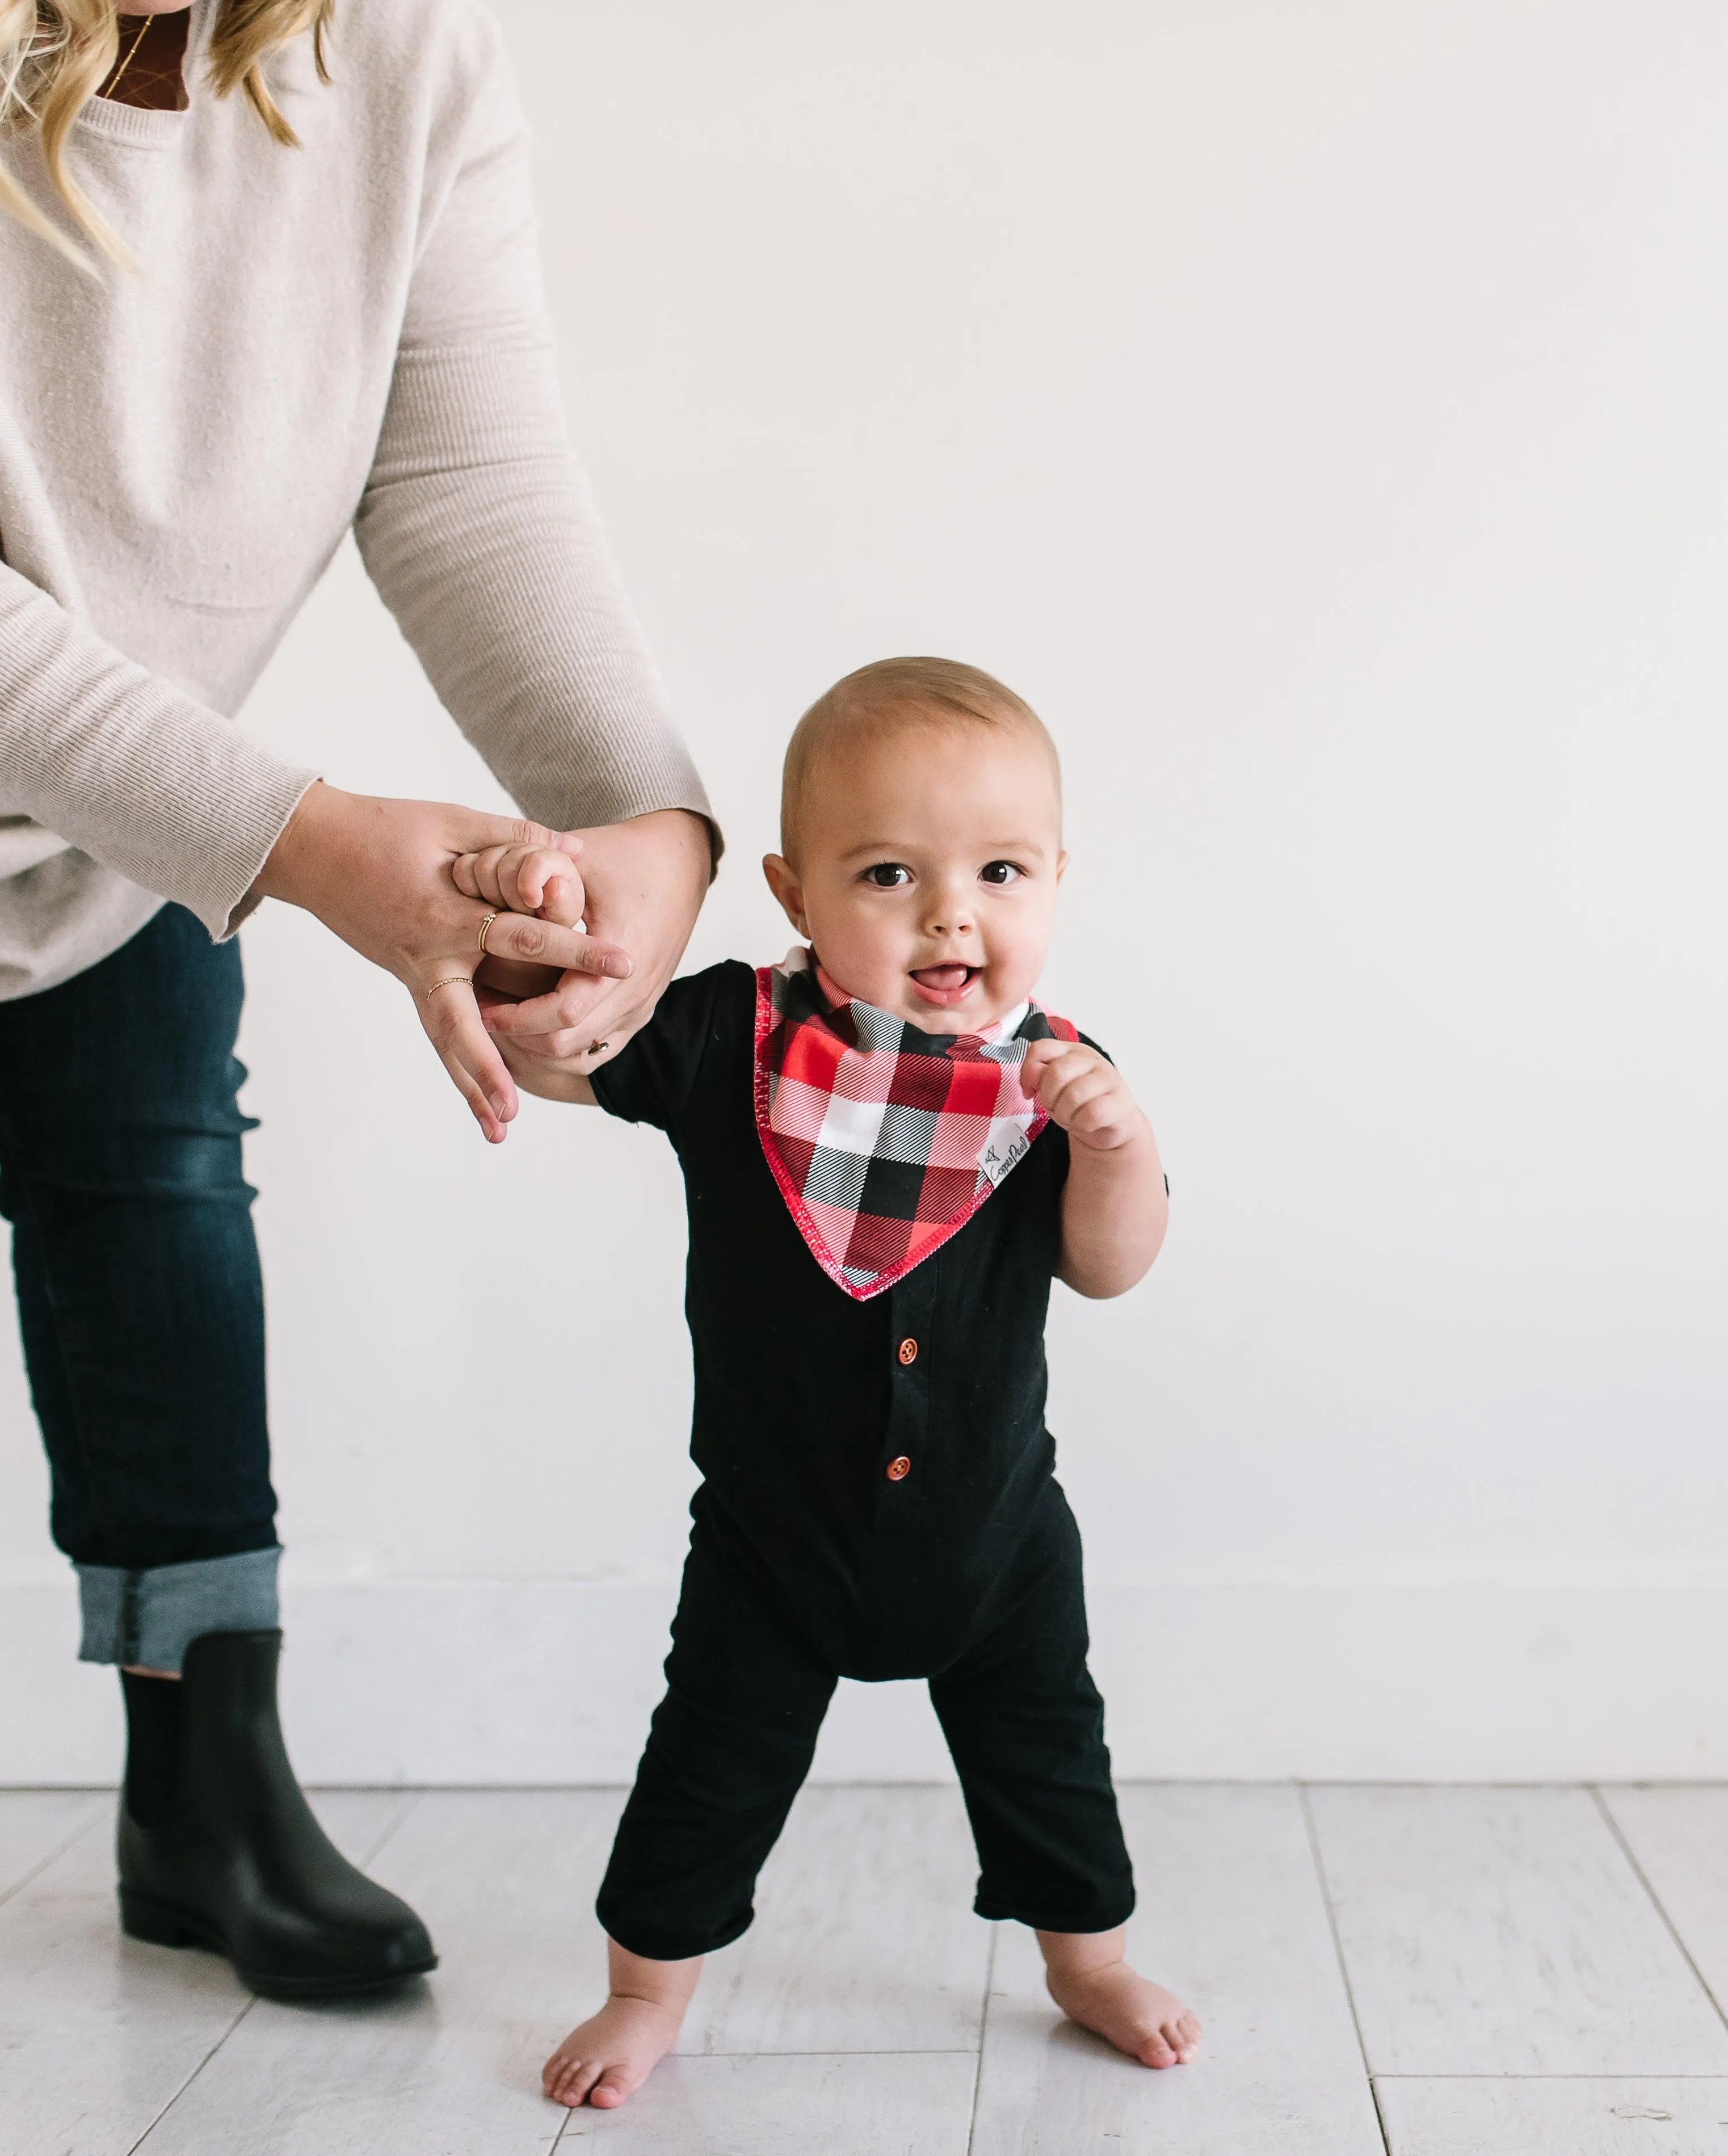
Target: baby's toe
1155, 2051
568, 2080
612, 2088
1185, 2036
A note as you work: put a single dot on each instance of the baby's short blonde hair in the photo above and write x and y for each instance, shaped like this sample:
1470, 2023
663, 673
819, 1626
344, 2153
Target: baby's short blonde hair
882, 698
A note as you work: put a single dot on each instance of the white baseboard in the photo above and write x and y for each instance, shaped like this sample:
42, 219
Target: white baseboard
476, 1682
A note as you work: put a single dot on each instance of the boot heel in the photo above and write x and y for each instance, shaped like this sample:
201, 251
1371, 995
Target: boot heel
142, 1918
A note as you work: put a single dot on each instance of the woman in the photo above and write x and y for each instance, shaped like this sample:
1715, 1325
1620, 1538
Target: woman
264, 277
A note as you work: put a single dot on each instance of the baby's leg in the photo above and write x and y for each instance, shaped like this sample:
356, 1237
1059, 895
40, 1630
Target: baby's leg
608, 2058
1093, 1985
1026, 1725
727, 1750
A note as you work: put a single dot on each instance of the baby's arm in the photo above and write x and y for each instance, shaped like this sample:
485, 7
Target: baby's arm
1114, 1206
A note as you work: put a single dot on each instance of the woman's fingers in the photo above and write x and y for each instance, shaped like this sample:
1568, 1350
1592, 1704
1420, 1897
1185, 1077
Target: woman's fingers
453, 1023
546, 943
566, 1044
568, 1008
402, 883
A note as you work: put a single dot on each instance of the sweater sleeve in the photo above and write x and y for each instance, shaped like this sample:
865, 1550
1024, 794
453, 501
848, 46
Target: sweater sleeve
122, 764
476, 524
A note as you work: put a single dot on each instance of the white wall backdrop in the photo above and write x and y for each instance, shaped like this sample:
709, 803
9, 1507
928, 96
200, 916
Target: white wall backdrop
1317, 410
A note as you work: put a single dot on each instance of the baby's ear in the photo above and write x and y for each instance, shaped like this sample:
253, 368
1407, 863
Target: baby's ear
783, 882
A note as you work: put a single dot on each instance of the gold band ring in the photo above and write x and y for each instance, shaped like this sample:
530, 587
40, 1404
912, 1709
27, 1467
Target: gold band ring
449, 981
594, 1047
485, 930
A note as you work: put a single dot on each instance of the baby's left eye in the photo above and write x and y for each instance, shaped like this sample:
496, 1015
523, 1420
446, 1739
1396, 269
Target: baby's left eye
998, 872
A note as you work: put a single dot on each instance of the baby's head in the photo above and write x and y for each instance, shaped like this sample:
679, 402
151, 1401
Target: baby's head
921, 841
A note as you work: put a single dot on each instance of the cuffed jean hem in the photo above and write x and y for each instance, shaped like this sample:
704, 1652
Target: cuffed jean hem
148, 1619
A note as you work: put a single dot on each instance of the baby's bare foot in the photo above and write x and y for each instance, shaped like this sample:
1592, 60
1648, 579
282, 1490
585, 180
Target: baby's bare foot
1141, 2018
607, 2060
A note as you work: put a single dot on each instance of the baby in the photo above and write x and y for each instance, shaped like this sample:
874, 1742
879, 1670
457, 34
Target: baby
889, 1150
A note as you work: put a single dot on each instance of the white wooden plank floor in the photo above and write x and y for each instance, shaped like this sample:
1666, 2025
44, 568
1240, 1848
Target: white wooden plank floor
1429, 1972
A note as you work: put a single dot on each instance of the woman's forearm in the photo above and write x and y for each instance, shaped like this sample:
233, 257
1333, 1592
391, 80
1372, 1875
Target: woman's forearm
477, 525
118, 762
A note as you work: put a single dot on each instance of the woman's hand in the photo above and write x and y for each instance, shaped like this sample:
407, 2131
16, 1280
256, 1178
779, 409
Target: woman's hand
542, 880
642, 884
378, 873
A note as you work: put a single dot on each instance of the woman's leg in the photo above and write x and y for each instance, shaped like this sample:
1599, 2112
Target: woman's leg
139, 1291
143, 1323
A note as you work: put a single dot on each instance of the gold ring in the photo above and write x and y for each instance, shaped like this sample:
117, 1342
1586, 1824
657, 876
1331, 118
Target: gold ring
449, 981
595, 1047
485, 929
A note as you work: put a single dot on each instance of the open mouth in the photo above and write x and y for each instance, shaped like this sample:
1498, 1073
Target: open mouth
944, 985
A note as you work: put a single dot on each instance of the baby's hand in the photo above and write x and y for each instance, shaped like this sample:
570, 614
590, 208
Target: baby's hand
539, 880
1083, 1093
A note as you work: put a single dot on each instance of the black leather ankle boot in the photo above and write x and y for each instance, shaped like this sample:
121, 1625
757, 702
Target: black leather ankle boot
219, 1848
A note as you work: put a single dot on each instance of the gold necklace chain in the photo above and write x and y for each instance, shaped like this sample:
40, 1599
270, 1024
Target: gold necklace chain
113, 81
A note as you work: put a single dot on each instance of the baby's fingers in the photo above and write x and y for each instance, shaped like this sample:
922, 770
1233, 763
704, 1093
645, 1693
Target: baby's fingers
563, 898
543, 880
1035, 1067
1050, 1065
1091, 1104
524, 879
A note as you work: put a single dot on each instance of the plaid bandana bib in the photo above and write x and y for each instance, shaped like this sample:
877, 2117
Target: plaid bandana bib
885, 1139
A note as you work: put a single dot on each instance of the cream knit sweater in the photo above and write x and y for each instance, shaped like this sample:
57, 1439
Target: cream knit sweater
349, 333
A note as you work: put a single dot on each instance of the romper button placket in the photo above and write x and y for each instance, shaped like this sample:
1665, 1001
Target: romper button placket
907, 1354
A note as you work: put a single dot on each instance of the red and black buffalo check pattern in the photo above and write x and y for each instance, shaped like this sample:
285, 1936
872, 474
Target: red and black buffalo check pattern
883, 1139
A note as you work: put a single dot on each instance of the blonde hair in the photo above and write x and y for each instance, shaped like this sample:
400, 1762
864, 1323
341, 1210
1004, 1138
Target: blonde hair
56, 54
883, 697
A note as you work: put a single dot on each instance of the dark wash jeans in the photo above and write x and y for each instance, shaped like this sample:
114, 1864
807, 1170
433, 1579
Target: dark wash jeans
139, 1289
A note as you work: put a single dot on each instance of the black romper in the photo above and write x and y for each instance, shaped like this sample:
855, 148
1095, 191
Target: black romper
877, 1501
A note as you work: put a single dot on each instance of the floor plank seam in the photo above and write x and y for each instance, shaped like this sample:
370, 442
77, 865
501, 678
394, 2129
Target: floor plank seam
990, 1979
411, 1800
193, 2077
1658, 2078
53, 1856
1344, 1974
1643, 1877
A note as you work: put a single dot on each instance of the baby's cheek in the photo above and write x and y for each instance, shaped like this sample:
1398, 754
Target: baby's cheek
868, 957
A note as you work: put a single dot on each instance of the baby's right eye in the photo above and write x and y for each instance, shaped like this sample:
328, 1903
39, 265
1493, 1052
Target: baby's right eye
888, 875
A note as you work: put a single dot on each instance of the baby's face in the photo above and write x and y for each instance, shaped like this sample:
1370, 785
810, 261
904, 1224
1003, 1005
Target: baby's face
927, 872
